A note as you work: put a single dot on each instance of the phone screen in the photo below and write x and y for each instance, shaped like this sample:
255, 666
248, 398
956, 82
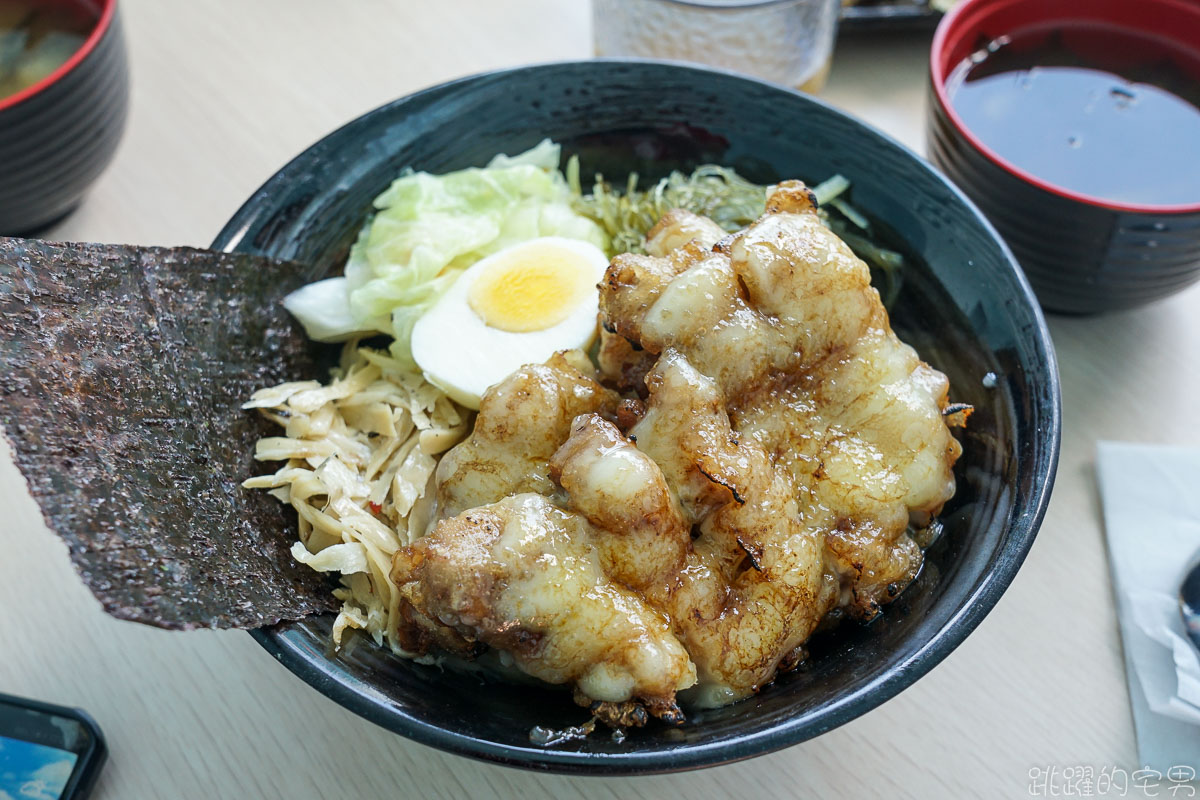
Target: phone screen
38, 753
31, 770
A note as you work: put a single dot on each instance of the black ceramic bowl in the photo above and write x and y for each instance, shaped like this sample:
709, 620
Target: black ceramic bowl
58, 135
1082, 254
963, 305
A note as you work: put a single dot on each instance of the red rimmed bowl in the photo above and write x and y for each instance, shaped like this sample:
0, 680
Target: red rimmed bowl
59, 134
1082, 254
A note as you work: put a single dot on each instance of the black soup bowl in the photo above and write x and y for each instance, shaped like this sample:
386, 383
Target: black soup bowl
58, 135
963, 304
1083, 254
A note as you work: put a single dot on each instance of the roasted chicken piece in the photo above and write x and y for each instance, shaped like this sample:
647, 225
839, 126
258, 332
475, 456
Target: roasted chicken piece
624, 366
864, 437
643, 537
623, 361
783, 317
773, 443
523, 576
691, 301
522, 420
678, 228
750, 588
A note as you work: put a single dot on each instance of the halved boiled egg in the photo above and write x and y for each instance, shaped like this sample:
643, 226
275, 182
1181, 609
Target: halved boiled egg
518, 306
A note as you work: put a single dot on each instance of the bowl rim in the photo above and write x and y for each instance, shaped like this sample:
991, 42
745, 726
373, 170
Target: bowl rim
947, 36
100, 27
360, 698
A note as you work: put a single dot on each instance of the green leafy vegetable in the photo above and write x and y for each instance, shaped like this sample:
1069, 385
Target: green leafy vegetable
427, 229
729, 200
711, 190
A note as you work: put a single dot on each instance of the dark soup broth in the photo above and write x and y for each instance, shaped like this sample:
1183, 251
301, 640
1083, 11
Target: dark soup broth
36, 38
1096, 110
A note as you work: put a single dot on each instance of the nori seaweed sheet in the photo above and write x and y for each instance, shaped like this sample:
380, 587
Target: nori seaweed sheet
123, 371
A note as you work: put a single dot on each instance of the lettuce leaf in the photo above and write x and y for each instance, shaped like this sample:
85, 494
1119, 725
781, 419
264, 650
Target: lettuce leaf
427, 229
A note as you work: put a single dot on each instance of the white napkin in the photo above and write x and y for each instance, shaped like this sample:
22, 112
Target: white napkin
1151, 496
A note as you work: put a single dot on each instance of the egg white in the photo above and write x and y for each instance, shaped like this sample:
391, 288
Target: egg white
462, 355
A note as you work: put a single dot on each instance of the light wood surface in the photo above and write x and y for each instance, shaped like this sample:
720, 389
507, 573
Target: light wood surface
225, 92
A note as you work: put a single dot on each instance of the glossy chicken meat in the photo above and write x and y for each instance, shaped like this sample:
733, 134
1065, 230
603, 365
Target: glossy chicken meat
524, 576
522, 420
750, 457
783, 317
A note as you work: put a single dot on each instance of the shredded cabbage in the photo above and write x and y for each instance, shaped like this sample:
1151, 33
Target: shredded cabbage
360, 456
426, 230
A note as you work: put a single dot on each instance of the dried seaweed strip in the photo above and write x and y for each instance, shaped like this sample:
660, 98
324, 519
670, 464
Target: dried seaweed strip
123, 369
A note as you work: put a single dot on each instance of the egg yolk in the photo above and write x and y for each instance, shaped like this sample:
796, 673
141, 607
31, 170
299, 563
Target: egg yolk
534, 289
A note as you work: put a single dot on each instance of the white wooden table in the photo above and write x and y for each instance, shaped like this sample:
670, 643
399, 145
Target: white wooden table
224, 93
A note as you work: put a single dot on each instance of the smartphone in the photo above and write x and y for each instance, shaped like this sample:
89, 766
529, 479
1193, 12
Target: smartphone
47, 752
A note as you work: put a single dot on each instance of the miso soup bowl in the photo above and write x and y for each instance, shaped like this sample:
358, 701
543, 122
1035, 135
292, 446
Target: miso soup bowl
59, 134
1082, 254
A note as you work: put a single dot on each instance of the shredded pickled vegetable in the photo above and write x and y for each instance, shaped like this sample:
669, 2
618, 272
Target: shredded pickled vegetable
360, 454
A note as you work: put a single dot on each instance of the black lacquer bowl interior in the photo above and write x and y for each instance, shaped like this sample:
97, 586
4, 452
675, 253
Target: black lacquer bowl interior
963, 305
